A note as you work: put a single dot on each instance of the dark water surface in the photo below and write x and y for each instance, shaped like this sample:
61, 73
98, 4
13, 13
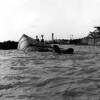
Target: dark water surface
48, 76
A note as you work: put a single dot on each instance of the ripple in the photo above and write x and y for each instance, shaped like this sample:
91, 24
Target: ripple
18, 68
48, 76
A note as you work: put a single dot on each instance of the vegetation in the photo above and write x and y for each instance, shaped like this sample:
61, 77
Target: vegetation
6, 45
95, 34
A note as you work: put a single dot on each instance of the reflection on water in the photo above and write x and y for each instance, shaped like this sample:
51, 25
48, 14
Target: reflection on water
48, 76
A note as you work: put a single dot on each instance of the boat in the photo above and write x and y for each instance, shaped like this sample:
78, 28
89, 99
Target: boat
62, 51
24, 42
27, 43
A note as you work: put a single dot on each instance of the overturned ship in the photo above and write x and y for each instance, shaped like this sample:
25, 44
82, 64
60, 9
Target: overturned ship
27, 43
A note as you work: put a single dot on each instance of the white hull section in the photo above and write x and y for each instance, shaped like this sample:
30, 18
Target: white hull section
25, 41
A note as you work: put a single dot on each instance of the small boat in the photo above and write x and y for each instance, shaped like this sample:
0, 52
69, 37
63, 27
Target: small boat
62, 51
27, 43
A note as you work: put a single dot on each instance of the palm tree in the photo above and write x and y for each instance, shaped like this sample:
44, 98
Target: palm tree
95, 34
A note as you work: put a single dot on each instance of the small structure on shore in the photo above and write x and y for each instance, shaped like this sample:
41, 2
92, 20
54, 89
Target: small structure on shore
52, 36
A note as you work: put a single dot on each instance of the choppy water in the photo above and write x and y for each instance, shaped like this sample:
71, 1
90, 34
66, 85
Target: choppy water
48, 76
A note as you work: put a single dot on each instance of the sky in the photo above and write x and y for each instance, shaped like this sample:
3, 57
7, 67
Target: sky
64, 18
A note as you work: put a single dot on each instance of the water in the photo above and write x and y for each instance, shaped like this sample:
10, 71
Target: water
48, 76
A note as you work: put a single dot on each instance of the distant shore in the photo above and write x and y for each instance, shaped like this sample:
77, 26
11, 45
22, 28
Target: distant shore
6, 45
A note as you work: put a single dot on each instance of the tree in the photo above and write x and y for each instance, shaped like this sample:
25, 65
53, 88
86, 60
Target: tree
95, 34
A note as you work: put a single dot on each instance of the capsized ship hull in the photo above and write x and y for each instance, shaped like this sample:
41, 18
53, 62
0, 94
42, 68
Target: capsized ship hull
25, 42
28, 43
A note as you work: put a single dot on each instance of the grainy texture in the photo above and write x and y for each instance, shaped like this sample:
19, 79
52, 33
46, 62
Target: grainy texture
49, 76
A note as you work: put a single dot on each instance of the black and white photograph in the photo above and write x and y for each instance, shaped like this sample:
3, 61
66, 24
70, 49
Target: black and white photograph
49, 49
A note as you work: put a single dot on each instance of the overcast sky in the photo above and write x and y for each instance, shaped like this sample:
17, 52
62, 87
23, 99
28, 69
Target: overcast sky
36, 17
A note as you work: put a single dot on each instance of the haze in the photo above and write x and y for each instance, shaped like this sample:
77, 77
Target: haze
36, 17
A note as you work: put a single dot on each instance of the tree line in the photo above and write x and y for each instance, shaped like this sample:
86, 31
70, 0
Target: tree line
6, 45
